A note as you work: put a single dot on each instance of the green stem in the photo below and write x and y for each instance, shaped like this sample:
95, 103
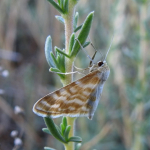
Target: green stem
68, 62
71, 122
68, 31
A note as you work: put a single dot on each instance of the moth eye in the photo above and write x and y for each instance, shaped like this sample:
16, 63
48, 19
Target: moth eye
100, 63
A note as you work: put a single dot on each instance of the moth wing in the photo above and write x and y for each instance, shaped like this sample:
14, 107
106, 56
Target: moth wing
72, 100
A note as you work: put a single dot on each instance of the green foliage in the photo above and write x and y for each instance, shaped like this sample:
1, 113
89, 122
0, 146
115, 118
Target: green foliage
57, 6
86, 44
76, 17
46, 130
59, 61
75, 139
48, 51
60, 19
82, 35
78, 146
61, 133
54, 130
56, 60
75, 27
62, 52
62, 5
71, 42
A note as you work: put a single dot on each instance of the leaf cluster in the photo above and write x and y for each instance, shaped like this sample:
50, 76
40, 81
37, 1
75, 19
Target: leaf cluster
61, 5
60, 133
56, 59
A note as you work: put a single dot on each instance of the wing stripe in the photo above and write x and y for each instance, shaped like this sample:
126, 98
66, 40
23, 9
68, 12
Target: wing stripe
71, 100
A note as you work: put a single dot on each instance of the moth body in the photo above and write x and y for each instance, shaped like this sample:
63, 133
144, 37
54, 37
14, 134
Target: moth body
79, 98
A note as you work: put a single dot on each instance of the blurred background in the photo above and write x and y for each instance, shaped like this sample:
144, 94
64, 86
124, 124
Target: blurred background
122, 120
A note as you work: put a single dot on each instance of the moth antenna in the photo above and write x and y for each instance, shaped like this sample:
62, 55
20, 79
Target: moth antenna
94, 49
109, 48
84, 50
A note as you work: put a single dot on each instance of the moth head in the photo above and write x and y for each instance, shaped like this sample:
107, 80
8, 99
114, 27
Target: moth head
100, 63
98, 66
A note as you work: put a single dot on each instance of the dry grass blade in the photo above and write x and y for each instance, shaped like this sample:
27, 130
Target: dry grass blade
105, 130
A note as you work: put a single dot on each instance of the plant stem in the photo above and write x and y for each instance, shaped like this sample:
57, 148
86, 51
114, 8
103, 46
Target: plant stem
68, 31
68, 62
71, 122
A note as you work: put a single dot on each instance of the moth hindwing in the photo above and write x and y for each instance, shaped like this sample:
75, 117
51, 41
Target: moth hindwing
79, 98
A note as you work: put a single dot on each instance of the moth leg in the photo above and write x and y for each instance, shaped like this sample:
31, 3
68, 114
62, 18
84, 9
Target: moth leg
92, 59
83, 49
66, 73
81, 69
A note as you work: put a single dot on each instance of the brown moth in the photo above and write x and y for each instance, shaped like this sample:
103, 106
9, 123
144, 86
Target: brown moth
77, 99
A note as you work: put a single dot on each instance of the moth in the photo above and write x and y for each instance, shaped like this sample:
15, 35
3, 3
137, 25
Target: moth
77, 99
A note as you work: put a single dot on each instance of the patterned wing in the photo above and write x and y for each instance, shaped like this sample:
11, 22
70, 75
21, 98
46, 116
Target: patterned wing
75, 99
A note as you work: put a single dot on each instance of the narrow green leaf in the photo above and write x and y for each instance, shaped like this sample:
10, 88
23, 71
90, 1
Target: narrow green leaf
75, 139
59, 130
64, 121
46, 130
62, 5
65, 6
60, 19
83, 34
78, 146
62, 128
51, 126
86, 44
62, 76
49, 148
59, 62
59, 1
78, 28
66, 133
58, 59
63, 61
54, 69
48, 50
61, 52
71, 42
56, 6
54, 60
75, 20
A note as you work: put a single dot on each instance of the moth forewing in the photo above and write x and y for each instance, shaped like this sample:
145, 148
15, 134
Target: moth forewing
80, 98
